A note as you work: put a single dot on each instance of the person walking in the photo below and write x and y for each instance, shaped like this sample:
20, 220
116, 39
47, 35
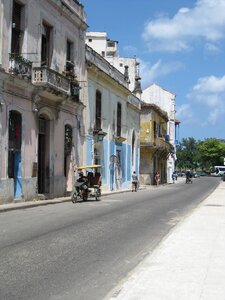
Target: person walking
174, 176
134, 182
157, 178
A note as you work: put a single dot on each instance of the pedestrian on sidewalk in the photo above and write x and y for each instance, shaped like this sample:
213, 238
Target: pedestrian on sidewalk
157, 178
134, 182
174, 177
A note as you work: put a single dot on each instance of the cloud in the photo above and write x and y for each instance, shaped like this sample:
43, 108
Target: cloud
206, 21
130, 50
184, 112
212, 48
149, 73
209, 92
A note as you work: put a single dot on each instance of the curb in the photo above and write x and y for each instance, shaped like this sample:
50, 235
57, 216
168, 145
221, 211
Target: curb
30, 204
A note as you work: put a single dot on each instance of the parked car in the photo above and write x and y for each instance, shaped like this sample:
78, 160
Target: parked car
181, 174
203, 173
196, 175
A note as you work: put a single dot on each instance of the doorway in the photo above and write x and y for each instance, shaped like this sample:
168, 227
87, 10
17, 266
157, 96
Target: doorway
14, 152
43, 156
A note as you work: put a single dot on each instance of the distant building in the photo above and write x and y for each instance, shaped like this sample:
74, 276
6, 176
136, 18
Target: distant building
155, 146
108, 49
154, 94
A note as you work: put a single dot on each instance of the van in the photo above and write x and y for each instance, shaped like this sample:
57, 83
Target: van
217, 171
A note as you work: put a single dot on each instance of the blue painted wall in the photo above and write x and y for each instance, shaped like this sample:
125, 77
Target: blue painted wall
129, 162
17, 175
124, 156
111, 166
105, 162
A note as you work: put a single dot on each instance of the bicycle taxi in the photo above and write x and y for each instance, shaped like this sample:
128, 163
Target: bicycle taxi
88, 185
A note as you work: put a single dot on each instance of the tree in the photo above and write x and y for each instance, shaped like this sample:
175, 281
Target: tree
187, 154
211, 152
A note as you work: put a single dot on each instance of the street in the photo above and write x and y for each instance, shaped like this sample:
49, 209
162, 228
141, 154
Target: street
81, 251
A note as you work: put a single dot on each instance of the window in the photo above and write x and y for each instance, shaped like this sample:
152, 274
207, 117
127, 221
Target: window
111, 44
110, 53
46, 45
69, 59
69, 51
156, 129
17, 33
98, 110
119, 115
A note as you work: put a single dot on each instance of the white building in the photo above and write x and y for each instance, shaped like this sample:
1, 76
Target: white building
154, 94
108, 48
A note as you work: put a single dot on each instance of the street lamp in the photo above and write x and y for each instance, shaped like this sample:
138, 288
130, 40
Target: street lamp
99, 135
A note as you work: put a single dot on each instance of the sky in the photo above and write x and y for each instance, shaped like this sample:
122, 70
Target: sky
180, 45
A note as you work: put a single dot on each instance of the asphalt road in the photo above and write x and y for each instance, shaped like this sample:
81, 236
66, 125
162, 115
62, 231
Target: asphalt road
81, 251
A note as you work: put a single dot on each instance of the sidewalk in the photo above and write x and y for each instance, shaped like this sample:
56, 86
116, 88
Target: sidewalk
189, 264
28, 204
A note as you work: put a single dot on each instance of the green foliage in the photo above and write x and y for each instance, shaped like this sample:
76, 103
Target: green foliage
194, 154
20, 59
187, 154
212, 152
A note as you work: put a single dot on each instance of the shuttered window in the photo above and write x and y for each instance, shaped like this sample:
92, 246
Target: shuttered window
16, 28
98, 110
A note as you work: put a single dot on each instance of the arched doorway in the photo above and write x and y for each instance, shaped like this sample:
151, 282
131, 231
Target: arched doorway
14, 152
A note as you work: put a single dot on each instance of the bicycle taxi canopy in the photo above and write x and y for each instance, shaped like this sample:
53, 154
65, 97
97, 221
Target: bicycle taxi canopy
92, 174
88, 167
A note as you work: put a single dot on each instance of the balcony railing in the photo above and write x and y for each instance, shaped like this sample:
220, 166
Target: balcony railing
158, 142
18, 65
92, 57
44, 76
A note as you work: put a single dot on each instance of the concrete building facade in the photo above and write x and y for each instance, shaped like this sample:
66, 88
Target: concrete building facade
154, 94
154, 144
114, 113
42, 69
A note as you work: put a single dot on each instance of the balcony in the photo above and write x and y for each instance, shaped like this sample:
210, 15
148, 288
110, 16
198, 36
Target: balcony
159, 143
51, 80
20, 66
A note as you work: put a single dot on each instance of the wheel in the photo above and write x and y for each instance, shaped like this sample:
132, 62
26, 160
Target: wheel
85, 196
74, 197
97, 195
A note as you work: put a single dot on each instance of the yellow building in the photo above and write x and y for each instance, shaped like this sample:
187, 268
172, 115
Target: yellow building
154, 144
